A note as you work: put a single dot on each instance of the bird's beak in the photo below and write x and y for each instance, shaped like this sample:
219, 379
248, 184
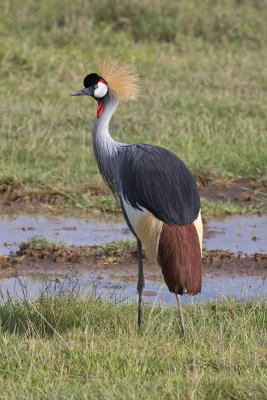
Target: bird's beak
84, 92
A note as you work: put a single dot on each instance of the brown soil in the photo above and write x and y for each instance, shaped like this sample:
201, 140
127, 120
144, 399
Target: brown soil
242, 192
7, 262
9, 196
216, 261
54, 259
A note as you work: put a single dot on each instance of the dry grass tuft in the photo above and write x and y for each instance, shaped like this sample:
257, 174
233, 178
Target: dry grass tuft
123, 79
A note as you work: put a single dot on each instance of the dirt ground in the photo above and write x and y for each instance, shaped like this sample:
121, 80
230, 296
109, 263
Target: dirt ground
62, 261
242, 192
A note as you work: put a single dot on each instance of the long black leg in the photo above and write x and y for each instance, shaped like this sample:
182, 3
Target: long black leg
178, 297
141, 281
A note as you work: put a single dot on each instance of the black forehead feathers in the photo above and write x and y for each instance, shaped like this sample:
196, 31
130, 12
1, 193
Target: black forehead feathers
91, 79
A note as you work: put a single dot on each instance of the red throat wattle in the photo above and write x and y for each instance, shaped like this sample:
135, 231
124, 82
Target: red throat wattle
100, 108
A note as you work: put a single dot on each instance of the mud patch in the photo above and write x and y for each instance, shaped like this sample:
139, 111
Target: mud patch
120, 253
11, 198
7, 262
110, 253
241, 192
221, 262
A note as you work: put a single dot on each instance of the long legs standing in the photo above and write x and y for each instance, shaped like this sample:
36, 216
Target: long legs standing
141, 282
178, 297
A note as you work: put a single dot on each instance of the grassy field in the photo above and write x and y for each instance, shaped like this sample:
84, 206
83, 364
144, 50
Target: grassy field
203, 68
69, 348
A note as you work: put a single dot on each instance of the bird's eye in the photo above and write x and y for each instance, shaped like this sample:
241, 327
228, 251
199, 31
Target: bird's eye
96, 86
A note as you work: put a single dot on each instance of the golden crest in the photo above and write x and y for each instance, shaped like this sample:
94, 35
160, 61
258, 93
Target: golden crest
123, 79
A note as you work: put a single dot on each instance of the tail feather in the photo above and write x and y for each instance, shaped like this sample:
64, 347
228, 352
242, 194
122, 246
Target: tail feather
179, 256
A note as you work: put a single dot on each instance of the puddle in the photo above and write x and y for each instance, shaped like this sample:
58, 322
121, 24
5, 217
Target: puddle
155, 291
15, 229
246, 233
238, 233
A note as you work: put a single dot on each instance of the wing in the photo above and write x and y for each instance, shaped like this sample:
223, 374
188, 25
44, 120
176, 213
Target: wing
156, 179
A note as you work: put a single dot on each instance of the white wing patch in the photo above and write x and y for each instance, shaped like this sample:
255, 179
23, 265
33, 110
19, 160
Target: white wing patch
147, 228
133, 214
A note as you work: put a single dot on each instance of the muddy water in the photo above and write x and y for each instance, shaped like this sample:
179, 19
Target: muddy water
240, 233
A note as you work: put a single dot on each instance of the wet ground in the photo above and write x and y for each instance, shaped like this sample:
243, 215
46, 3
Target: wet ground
240, 273
114, 273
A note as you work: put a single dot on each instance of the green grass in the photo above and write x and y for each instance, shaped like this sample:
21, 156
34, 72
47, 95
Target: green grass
203, 88
114, 251
69, 348
110, 204
42, 241
219, 208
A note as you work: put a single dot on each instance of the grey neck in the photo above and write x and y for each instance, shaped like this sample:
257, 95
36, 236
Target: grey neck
103, 142
105, 148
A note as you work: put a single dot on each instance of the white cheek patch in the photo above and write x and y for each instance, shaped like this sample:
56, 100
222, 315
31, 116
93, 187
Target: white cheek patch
101, 91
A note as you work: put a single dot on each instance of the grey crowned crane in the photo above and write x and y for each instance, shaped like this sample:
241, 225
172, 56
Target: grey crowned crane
158, 194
